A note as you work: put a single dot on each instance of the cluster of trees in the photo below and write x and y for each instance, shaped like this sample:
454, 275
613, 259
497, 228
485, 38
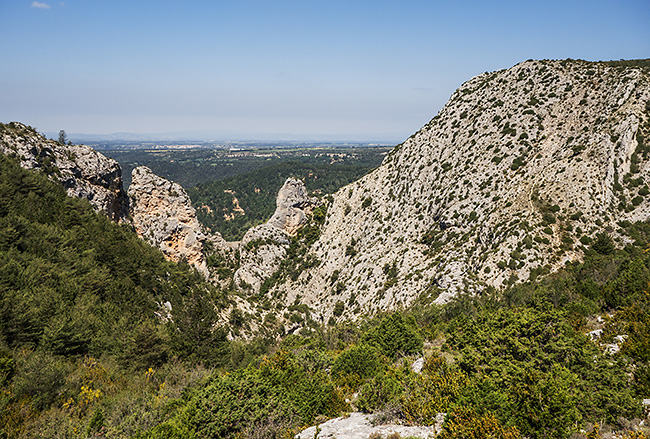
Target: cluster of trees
77, 289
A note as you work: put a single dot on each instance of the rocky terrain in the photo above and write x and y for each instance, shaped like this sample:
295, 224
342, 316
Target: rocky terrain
518, 172
264, 247
517, 175
84, 172
360, 426
163, 216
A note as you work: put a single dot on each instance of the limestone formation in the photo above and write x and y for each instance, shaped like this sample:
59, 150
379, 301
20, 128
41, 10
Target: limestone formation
163, 216
84, 172
513, 177
360, 426
264, 247
292, 207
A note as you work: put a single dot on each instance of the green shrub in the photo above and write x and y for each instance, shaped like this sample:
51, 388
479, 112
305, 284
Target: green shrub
603, 244
361, 360
395, 334
339, 307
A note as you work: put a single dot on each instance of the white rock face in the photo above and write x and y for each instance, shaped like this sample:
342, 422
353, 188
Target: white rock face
508, 177
292, 205
263, 248
163, 216
84, 172
358, 426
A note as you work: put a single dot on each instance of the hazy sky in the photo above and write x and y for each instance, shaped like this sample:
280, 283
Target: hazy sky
375, 70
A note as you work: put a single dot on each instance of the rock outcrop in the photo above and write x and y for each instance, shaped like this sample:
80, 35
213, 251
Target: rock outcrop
263, 248
84, 172
292, 207
163, 216
518, 172
360, 426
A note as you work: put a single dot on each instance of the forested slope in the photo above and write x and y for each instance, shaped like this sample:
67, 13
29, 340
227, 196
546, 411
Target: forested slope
76, 288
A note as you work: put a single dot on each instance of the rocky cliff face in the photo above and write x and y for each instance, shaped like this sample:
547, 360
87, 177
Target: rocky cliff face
163, 216
263, 248
84, 172
516, 174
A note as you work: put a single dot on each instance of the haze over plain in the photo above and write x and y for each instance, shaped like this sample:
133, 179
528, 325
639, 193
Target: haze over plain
336, 70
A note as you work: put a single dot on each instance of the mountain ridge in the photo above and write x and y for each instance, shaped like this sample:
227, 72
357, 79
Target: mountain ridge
515, 175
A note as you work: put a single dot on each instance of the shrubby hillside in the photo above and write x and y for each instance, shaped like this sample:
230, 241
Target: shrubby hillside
82, 307
541, 359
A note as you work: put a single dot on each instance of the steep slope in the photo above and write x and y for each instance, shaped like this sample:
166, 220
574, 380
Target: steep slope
520, 170
70, 279
84, 172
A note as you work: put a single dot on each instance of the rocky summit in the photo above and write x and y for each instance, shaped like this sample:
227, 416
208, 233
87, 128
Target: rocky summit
84, 172
518, 172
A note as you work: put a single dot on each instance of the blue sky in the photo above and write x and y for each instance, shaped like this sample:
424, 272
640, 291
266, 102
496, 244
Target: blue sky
357, 70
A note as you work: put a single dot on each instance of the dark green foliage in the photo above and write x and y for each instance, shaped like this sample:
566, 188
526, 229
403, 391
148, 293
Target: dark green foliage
63, 138
350, 250
395, 334
281, 388
517, 163
603, 244
552, 375
508, 130
7, 367
391, 272
642, 63
74, 285
361, 360
147, 346
339, 307
548, 218
40, 378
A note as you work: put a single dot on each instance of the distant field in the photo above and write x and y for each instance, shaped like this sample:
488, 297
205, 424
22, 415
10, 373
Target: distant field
189, 167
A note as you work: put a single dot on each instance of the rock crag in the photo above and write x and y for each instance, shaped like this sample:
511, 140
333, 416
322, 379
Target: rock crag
163, 215
263, 247
84, 172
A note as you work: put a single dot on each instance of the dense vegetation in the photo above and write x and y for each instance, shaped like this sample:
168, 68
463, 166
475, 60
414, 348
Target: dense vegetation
234, 205
87, 349
78, 302
517, 363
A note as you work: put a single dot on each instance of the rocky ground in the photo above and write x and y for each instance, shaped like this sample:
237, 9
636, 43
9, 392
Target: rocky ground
360, 426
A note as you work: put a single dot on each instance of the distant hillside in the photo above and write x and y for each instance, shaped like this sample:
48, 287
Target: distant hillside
517, 174
233, 205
